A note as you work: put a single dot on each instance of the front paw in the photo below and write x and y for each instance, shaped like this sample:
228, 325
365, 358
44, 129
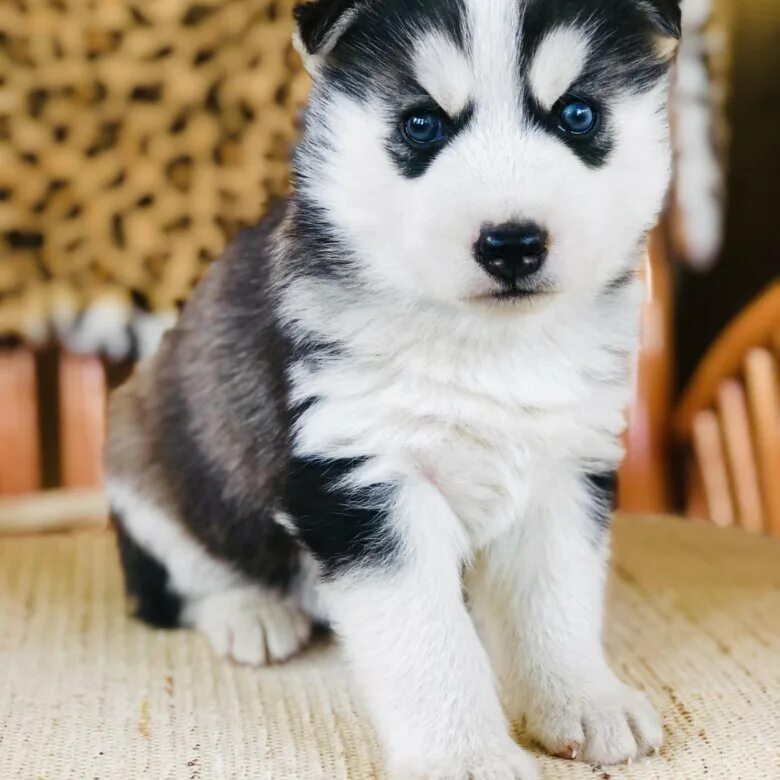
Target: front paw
507, 762
614, 725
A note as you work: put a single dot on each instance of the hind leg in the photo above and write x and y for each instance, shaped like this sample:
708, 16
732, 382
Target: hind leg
251, 625
173, 580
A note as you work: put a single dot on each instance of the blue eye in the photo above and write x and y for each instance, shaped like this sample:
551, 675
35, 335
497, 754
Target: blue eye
577, 117
424, 128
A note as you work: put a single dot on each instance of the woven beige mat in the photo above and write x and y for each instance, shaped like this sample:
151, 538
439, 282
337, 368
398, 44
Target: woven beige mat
694, 618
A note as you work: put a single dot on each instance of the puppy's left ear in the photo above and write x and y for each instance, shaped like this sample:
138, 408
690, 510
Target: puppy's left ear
667, 18
320, 25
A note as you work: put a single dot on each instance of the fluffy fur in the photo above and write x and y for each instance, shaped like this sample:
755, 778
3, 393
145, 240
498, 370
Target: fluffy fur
353, 422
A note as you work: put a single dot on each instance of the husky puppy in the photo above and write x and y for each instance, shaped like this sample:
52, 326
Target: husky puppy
395, 406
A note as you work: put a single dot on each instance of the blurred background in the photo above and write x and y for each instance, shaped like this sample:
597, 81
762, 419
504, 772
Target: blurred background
137, 137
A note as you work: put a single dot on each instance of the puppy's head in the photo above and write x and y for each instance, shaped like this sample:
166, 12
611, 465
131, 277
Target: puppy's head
485, 151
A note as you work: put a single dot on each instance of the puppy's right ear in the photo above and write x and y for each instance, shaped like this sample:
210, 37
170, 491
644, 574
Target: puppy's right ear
320, 24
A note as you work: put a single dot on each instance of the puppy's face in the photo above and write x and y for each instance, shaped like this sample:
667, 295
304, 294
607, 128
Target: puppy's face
485, 152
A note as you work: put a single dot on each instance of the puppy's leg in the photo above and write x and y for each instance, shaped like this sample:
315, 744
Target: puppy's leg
416, 655
250, 624
173, 580
537, 597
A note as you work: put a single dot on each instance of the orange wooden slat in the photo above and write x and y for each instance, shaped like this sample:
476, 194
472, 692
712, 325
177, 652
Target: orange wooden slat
737, 440
20, 457
764, 399
82, 386
753, 328
708, 446
47, 511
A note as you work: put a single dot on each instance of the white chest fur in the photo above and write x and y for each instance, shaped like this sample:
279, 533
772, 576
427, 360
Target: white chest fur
489, 409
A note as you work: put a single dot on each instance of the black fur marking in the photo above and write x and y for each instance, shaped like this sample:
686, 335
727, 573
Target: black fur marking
622, 58
620, 282
414, 162
603, 490
367, 61
318, 251
146, 582
239, 531
343, 528
623, 55
667, 15
220, 421
311, 351
592, 149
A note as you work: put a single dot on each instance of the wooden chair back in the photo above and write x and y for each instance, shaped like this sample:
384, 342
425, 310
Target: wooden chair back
728, 422
81, 412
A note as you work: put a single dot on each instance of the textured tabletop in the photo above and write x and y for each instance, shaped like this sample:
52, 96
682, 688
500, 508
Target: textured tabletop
693, 618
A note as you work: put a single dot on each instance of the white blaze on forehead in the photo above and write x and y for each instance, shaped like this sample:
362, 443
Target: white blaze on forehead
443, 71
494, 40
558, 62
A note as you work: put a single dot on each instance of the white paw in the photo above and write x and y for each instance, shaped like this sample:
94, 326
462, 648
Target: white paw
251, 626
509, 762
612, 726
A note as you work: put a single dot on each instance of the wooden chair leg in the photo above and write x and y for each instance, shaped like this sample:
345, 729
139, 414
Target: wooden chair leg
20, 457
53, 510
735, 424
708, 447
82, 386
764, 399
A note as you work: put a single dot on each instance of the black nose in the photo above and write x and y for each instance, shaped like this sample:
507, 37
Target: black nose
512, 252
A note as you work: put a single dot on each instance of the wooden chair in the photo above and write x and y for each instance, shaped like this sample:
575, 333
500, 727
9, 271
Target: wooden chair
728, 422
20, 458
81, 410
